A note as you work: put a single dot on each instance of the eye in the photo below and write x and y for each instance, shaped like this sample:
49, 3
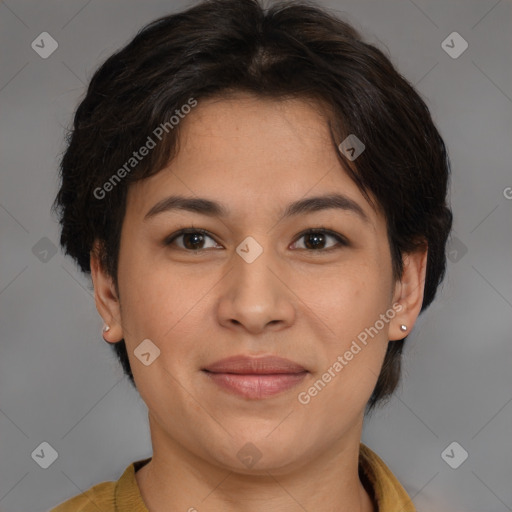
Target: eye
193, 239
315, 239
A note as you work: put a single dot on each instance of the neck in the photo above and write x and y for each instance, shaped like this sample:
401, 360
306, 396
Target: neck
178, 479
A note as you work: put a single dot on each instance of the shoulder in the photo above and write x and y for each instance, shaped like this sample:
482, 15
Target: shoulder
122, 494
99, 497
387, 490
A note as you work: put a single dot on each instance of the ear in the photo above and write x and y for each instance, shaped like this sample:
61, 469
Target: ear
105, 296
409, 292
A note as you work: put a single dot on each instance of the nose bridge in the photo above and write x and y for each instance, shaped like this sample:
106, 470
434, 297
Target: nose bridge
255, 296
252, 274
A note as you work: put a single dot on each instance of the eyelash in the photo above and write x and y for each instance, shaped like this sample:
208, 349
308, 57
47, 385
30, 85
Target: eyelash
342, 241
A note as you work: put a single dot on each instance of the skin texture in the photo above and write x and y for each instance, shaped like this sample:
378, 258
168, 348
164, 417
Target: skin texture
255, 156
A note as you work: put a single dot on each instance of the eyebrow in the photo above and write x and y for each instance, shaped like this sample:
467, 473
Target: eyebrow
214, 209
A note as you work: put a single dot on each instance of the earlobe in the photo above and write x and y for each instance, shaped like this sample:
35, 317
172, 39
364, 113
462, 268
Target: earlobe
106, 299
409, 293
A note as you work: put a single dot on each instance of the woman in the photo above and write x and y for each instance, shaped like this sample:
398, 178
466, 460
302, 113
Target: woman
260, 199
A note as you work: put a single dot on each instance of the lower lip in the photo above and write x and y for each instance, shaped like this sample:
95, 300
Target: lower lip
256, 387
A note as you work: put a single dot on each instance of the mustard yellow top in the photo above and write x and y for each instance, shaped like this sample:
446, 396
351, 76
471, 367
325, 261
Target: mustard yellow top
124, 495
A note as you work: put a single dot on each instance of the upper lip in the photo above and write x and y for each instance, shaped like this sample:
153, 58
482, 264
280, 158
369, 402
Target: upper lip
255, 365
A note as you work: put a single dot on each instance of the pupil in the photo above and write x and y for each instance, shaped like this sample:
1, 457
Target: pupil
317, 237
317, 240
196, 235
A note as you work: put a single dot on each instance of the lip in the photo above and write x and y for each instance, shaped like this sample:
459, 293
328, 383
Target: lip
255, 365
255, 378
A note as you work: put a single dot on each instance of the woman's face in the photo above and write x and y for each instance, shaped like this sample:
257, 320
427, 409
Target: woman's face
255, 285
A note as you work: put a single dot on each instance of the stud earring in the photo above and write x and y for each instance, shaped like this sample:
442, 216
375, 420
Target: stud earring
106, 328
403, 327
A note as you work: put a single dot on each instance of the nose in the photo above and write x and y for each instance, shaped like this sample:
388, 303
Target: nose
255, 296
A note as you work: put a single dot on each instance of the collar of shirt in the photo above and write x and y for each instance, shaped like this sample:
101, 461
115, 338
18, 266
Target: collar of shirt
385, 490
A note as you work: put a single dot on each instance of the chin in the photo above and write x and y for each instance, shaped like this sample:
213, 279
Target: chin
261, 453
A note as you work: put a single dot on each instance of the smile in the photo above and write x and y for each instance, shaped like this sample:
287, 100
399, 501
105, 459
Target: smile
255, 378
256, 386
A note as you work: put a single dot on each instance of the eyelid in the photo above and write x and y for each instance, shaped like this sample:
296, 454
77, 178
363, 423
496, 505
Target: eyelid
342, 241
170, 239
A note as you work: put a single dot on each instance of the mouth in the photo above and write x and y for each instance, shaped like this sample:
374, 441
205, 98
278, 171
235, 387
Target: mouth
255, 378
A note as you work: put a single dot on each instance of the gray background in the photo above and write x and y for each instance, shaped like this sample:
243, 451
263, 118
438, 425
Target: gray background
60, 383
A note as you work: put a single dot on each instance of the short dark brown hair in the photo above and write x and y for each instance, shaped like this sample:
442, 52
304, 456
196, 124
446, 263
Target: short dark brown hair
289, 50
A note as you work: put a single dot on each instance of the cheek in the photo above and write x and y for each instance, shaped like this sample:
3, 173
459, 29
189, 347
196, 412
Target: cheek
352, 344
349, 304
163, 303
347, 298
166, 308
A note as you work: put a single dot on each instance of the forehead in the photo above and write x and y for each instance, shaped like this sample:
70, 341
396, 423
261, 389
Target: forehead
247, 152
241, 126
